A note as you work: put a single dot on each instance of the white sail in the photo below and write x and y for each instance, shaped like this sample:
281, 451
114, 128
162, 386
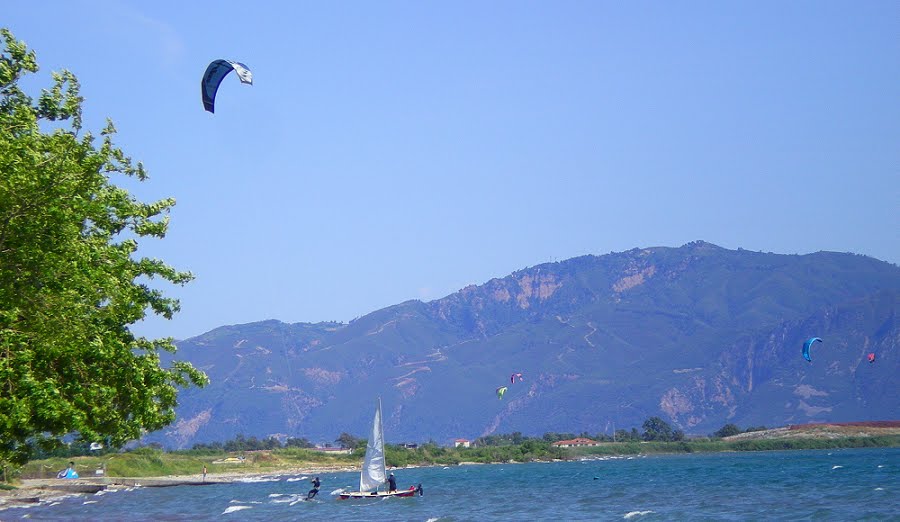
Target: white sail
373, 473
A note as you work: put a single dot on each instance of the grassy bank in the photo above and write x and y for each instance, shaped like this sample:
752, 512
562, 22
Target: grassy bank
148, 462
719, 445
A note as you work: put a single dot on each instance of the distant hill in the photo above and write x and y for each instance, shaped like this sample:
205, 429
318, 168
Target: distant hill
699, 335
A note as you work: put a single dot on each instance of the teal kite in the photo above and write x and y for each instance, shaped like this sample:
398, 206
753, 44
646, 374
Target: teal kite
809, 342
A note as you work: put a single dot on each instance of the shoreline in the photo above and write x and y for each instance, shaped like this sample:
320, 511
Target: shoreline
36, 491
46, 490
40, 491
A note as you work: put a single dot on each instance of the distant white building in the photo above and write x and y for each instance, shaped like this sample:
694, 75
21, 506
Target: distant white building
461, 442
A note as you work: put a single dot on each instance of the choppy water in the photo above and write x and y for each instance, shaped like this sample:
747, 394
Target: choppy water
796, 485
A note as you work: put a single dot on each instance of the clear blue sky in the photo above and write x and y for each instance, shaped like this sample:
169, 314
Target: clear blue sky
401, 150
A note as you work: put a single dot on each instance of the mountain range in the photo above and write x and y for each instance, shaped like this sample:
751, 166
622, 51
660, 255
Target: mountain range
698, 335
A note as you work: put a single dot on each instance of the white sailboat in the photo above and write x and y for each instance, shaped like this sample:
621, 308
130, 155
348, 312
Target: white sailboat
373, 475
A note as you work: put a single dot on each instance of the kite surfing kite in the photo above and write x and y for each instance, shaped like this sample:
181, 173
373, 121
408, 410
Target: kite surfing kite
806, 346
500, 391
513, 377
214, 75
871, 357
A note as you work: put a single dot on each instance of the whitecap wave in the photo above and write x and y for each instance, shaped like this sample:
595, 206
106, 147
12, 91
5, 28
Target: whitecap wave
89, 502
257, 479
232, 509
836, 467
287, 499
632, 514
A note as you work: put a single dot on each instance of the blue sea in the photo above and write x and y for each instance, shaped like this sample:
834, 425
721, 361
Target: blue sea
853, 484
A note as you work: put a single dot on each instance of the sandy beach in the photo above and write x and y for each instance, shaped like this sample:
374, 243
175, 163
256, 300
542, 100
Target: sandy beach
33, 491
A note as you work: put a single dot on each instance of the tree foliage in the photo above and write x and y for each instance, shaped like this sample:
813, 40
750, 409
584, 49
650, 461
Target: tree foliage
727, 431
71, 283
347, 441
657, 429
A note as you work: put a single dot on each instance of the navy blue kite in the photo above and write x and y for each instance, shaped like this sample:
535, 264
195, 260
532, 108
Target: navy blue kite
214, 75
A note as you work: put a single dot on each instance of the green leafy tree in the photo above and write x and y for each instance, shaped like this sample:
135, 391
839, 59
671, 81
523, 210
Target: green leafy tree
347, 441
659, 430
727, 431
71, 282
299, 442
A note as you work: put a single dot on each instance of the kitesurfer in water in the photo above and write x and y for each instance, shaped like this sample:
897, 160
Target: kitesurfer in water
315, 490
392, 483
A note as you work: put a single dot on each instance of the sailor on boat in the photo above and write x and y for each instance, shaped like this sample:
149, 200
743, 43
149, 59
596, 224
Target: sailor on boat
373, 476
392, 483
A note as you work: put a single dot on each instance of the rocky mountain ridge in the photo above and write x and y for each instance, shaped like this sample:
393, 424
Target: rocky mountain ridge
699, 335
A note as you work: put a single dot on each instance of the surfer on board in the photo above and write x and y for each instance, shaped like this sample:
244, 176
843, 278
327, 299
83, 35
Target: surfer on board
315, 490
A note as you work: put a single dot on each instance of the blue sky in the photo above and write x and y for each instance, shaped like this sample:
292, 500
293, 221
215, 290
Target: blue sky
401, 150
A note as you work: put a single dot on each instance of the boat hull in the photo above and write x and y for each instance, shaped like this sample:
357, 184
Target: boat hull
360, 495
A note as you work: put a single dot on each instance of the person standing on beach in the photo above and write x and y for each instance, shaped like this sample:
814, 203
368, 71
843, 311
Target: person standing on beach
204, 473
315, 490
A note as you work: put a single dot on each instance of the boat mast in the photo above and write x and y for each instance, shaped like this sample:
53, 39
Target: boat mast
383, 454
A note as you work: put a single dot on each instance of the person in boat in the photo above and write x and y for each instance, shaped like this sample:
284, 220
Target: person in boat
392, 483
315, 490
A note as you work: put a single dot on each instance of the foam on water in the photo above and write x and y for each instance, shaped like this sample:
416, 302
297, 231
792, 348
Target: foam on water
632, 514
258, 479
232, 509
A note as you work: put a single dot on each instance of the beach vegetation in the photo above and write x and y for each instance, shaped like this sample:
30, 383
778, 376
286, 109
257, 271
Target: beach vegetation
153, 462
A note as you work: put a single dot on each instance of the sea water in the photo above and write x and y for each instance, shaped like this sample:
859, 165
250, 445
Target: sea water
852, 484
